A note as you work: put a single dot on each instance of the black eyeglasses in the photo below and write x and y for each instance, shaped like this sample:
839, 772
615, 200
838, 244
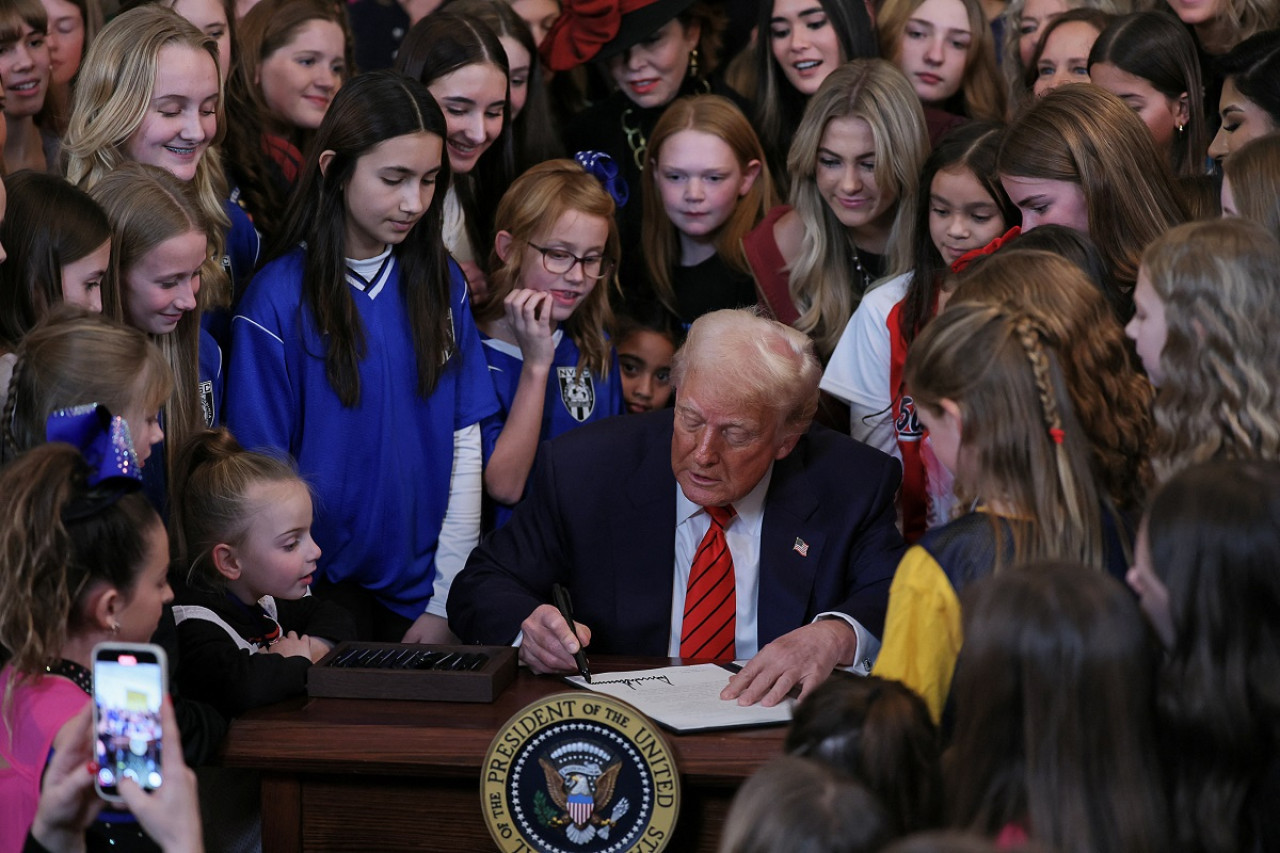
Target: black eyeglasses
558, 262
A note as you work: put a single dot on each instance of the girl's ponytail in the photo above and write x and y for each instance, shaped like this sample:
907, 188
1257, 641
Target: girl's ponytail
1018, 424
212, 481
50, 557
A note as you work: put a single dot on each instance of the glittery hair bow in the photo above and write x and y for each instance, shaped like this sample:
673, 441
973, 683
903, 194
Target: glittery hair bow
107, 448
961, 263
605, 169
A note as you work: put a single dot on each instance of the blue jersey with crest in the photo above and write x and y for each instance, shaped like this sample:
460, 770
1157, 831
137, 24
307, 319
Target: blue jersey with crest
572, 399
379, 470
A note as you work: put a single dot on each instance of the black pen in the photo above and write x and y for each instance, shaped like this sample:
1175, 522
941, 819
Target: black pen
561, 595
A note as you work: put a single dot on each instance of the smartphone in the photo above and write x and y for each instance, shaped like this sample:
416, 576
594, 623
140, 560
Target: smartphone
130, 681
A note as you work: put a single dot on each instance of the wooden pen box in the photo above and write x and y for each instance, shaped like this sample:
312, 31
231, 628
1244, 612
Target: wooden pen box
359, 670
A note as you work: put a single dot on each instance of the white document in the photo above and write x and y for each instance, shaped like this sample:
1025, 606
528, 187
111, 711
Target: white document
685, 698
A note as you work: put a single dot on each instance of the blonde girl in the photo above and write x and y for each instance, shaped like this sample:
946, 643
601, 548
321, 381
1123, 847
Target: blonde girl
989, 388
544, 319
150, 91
1205, 321
704, 187
1220, 26
73, 358
855, 164
946, 50
160, 241
961, 208
87, 561
248, 627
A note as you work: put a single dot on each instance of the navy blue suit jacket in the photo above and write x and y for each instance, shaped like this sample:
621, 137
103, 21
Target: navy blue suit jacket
600, 519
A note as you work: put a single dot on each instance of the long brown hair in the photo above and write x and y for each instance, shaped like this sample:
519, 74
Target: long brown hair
1051, 650
1088, 136
1254, 173
720, 117
1021, 443
269, 26
1111, 398
1158, 48
1214, 532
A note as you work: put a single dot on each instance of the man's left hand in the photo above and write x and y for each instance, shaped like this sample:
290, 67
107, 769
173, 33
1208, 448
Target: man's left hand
804, 658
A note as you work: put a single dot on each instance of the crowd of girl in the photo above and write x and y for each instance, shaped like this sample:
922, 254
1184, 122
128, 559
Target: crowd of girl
1035, 246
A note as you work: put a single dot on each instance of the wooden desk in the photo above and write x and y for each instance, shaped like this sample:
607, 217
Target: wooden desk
352, 774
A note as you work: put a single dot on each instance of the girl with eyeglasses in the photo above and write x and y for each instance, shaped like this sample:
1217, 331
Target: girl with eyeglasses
543, 321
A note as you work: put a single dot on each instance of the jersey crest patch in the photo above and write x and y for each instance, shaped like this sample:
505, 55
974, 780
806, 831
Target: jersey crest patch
206, 404
577, 392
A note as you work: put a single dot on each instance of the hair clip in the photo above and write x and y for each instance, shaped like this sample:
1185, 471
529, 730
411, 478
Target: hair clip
605, 169
1057, 435
107, 449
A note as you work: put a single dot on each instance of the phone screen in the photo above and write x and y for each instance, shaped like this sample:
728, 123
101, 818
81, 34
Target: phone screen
128, 687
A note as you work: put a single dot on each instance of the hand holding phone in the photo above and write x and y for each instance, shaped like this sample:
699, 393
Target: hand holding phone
130, 683
171, 815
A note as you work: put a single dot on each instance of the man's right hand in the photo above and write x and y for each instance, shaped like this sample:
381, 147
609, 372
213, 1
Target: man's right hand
548, 644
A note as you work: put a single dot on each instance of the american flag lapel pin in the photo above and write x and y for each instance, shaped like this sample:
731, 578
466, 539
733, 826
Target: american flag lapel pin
801, 547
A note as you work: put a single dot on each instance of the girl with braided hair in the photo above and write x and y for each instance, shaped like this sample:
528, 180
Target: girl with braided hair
1111, 397
1205, 316
988, 385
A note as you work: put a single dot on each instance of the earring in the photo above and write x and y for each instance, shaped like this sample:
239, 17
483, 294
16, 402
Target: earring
1181, 127
693, 62
115, 628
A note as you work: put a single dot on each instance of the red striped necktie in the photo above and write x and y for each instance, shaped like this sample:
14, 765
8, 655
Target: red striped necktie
711, 602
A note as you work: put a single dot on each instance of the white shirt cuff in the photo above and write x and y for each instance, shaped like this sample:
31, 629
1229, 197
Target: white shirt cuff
864, 656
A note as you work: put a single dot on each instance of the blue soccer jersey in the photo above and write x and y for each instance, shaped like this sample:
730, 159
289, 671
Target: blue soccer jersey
380, 470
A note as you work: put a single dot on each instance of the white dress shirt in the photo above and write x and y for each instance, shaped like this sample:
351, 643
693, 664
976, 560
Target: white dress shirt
743, 537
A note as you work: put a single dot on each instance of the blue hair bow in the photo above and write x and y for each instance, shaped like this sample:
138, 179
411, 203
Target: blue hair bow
605, 169
103, 441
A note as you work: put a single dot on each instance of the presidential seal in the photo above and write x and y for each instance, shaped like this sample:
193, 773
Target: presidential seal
580, 773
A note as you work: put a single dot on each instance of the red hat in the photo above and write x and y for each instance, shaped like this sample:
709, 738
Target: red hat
599, 29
